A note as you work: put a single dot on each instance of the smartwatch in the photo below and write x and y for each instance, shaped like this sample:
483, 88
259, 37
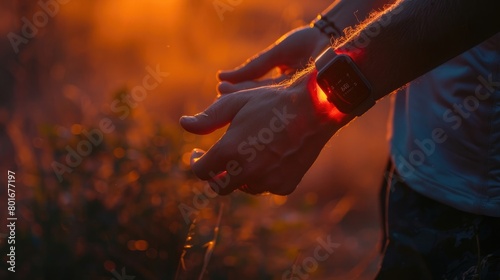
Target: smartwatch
343, 83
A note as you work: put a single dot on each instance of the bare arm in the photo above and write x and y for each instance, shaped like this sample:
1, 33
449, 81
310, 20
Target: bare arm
294, 50
277, 132
346, 13
416, 36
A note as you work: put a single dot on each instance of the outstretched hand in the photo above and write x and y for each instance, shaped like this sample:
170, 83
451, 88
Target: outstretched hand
292, 52
274, 136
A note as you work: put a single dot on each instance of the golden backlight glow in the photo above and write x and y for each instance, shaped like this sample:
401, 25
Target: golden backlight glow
323, 107
128, 202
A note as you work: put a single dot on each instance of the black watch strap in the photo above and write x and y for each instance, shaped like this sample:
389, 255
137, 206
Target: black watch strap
327, 27
325, 58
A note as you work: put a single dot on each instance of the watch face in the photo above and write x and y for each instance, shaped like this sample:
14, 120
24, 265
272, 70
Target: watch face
343, 84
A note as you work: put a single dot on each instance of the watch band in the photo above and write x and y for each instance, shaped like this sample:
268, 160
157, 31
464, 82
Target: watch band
325, 58
325, 26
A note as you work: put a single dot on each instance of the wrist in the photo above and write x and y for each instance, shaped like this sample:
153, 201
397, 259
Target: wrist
365, 59
326, 26
326, 110
307, 92
343, 84
322, 39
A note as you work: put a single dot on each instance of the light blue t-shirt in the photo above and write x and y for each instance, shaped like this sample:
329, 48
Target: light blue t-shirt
446, 131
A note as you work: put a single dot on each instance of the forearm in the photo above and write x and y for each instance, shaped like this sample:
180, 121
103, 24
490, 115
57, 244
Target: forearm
414, 37
348, 13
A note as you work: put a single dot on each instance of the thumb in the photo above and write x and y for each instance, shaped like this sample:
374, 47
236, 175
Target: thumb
217, 115
254, 67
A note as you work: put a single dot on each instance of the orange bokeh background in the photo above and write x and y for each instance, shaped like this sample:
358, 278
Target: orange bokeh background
64, 80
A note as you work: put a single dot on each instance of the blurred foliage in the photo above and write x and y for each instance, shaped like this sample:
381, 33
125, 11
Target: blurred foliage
122, 194
119, 208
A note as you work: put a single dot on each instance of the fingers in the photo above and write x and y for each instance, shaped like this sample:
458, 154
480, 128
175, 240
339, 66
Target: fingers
195, 156
207, 165
217, 115
253, 68
218, 162
254, 188
225, 183
226, 87
279, 185
223, 175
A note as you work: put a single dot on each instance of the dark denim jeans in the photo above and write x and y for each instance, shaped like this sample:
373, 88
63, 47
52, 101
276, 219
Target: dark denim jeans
425, 239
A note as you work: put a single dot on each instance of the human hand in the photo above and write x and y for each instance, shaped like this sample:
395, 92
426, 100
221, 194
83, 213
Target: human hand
274, 136
292, 52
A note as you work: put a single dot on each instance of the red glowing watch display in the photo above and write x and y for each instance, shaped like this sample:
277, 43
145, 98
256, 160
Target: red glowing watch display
343, 83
